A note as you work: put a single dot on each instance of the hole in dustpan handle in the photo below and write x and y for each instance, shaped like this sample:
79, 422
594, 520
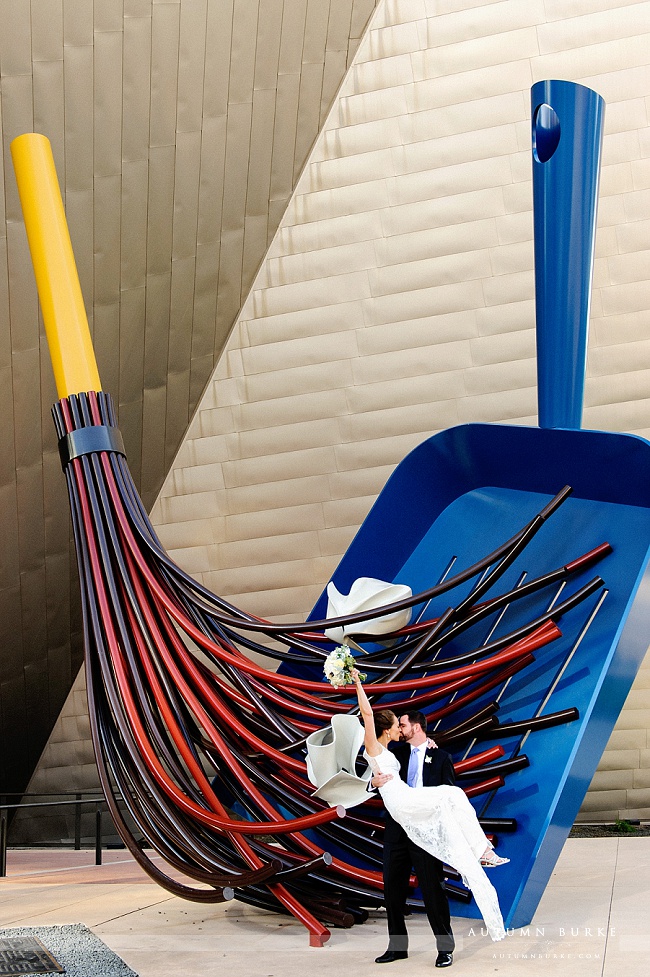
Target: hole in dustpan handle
546, 132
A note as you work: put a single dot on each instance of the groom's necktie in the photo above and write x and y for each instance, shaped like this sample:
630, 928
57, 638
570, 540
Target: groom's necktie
412, 773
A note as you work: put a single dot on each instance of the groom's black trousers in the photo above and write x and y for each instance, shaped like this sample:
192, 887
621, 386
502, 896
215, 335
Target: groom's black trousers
400, 856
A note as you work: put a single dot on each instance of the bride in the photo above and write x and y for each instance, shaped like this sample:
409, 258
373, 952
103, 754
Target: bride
440, 820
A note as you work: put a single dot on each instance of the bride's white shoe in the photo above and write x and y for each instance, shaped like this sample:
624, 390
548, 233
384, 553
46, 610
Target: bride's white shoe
492, 860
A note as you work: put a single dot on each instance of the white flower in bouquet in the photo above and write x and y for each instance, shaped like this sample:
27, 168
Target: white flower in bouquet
338, 667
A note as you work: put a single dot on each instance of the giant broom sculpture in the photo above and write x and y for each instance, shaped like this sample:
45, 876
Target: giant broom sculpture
205, 747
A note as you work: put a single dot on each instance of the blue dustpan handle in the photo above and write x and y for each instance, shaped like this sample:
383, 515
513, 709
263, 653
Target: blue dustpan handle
567, 124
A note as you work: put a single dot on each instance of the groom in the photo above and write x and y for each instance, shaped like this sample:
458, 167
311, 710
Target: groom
420, 765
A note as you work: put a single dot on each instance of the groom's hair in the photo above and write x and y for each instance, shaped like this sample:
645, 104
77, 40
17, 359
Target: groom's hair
414, 716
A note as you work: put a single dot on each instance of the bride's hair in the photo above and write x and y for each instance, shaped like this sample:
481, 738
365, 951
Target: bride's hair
383, 721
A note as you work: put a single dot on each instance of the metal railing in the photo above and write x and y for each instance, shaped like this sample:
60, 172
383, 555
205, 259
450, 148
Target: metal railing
78, 802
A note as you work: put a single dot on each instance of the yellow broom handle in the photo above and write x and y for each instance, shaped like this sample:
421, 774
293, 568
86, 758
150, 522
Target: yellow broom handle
66, 324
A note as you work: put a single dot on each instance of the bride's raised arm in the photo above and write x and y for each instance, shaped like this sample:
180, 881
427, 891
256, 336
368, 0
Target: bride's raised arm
370, 741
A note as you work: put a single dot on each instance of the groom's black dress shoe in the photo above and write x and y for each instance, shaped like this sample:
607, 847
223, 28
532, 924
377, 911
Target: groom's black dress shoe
444, 959
391, 955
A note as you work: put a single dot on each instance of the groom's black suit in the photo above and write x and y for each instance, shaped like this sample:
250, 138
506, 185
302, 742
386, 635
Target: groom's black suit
401, 855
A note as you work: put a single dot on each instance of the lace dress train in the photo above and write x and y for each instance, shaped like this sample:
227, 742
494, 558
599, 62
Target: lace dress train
442, 821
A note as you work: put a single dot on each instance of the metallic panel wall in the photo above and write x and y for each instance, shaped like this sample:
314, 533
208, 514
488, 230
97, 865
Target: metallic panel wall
179, 129
397, 299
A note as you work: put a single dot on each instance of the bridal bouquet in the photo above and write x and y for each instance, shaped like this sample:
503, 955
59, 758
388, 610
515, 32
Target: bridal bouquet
338, 667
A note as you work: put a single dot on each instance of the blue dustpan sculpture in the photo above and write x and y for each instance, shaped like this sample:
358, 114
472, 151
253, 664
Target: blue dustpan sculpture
463, 491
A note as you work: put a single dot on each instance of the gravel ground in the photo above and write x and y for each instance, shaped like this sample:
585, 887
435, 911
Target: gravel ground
609, 831
76, 948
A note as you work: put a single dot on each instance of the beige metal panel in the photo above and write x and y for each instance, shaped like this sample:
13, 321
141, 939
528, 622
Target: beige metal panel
261, 149
186, 194
136, 87
293, 31
337, 173
191, 65
285, 410
362, 11
425, 301
445, 269
286, 437
487, 21
238, 134
78, 95
596, 59
333, 69
306, 266
107, 238
269, 32
488, 81
213, 155
474, 116
286, 520
267, 550
280, 475
165, 28
438, 242
255, 239
488, 350
106, 340
201, 479
408, 215
176, 413
47, 30
229, 286
242, 54
369, 106
217, 58
108, 15
16, 99
484, 51
468, 179
77, 23
133, 238
284, 135
448, 330
559, 9
205, 300
182, 291
328, 233
23, 307
641, 174
15, 39
375, 394
342, 201
309, 112
272, 495
131, 351
364, 481
153, 442
305, 377
107, 128
160, 210
591, 28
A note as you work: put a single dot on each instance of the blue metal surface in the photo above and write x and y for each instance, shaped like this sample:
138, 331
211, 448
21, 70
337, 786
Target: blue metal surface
567, 125
463, 492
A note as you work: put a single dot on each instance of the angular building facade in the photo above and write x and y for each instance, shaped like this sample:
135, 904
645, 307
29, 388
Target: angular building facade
293, 283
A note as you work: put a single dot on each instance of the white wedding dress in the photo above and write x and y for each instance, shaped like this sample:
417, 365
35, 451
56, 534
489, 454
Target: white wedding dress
443, 822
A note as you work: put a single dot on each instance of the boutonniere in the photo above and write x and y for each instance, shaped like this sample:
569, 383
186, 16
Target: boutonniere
428, 759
